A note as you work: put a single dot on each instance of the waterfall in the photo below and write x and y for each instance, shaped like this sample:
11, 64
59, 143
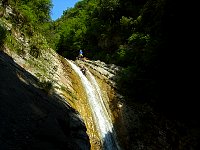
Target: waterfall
100, 113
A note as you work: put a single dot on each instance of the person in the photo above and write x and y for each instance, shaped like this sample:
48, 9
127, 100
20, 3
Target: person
80, 54
83, 69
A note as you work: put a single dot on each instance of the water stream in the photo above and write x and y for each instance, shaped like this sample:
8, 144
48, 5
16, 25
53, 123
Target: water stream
100, 113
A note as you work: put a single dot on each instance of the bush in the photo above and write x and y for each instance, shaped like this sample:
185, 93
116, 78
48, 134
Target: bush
46, 86
35, 51
3, 34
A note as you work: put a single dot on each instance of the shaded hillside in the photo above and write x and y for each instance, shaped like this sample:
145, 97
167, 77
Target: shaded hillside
137, 124
31, 118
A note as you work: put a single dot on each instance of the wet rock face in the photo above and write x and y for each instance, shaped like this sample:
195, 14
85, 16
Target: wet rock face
106, 72
31, 118
138, 125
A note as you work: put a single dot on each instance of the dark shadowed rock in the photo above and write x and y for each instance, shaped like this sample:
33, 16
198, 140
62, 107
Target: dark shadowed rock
33, 119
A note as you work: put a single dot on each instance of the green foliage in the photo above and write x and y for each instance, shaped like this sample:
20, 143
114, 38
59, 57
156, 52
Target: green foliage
52, 36
28, 13
72, 35
3, 34
7, 39
126, 22
38, 44
39, 9
108, 9
43, 8
125, 32
34, 51
46, 86
134, 51
14, 45
139, 57
121, 55
138, 39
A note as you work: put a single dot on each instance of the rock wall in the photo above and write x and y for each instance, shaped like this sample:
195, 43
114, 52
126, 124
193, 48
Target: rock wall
37, 95
31, 118
138, 125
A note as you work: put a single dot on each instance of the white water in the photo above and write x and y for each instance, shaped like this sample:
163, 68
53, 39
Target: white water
100, 114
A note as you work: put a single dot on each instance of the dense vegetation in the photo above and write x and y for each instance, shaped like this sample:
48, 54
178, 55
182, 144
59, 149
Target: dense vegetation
139, 35
29, 16
143, 36
146, 37
119, 32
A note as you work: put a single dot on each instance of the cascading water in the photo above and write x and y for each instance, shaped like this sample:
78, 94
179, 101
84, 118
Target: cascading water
100, 113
